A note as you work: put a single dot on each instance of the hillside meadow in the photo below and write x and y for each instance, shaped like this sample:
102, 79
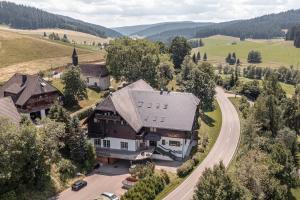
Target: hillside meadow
28, 54
78, 37
275, 53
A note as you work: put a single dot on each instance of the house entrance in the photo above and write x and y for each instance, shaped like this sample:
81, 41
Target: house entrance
152, 143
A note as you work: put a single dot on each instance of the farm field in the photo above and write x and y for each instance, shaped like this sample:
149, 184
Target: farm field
275, 53
28, 54
78, 37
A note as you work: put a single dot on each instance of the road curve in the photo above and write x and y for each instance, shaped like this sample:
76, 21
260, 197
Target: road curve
223, 150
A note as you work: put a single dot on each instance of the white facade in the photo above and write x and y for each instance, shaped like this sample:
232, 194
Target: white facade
178, 146
115, 143
101, 82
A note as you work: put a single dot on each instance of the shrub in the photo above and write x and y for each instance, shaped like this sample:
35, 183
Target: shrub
146, 189
66, 169
165, 176
196, 158
84, 113
141, 171
185, 168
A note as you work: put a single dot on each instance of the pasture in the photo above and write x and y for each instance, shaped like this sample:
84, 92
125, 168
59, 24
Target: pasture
28, 54
275, 53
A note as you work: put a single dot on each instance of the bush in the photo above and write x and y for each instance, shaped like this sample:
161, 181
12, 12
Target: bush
196, 158
141, 171
66, 169
165, 176
84, 113
185, 168
146, 189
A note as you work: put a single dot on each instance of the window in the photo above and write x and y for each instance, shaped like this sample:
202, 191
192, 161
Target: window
163, 142
124, 145
174, 143
152, 129
97, 142
106, 143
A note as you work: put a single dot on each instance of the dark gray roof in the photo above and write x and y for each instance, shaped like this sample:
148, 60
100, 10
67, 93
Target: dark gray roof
97, 69
8, 110
167, 110
142, 106
24, 86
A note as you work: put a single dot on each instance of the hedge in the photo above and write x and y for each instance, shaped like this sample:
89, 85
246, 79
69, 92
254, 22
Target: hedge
185, 168
83, 113
145, 189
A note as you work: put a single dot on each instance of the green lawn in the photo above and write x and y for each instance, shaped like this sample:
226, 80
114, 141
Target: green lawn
94, 96
275, 53
295, 193
211, 123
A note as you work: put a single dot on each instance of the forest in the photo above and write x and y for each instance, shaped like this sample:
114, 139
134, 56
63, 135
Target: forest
24, 17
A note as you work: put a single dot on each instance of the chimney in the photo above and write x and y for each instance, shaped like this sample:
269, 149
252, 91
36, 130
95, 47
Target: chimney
24, 79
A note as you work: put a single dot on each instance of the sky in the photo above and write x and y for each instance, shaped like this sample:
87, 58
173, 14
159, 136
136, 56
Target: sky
114, 13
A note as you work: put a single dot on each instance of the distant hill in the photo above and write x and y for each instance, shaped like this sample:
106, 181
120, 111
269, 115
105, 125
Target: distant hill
168, 26
265, 27
131, 30
153, 29
24, 17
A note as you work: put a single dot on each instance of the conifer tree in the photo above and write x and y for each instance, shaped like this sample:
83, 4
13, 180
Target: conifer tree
205, 57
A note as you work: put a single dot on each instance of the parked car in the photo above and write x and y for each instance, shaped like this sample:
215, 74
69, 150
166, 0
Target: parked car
110, 196
78, 185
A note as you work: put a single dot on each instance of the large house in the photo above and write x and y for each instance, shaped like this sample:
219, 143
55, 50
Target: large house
138, 122
95, 74
9, 111
31, 94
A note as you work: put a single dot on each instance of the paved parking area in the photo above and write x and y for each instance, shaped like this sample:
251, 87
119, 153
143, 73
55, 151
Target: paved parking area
108, 179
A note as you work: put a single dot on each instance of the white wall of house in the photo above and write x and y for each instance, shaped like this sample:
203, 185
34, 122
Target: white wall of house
115, 143
180, 150
102, 82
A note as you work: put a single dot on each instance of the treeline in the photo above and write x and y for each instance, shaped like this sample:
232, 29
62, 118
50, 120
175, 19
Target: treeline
195, 43
265, 27
55, 36
24, 17
285, 74
294, 34
266, 164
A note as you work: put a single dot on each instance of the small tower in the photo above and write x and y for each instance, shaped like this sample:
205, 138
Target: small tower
74, 57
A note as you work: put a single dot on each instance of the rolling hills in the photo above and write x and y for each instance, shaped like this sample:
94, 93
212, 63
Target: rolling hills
153, 29
264, 27
24, 17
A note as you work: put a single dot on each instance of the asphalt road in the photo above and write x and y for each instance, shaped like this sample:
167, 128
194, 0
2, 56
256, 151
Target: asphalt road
223, 150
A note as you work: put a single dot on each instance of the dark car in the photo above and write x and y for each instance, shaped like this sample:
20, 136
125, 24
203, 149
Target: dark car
78, 185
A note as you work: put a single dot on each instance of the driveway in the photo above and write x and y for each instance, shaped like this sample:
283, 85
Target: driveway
223, 150
109, 179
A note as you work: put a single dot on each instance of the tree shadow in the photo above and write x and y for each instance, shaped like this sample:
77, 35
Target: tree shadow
208, 120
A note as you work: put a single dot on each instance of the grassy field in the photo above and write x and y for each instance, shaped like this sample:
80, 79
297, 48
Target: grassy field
27, 54
78, 37
211, 123
275, 53
93, 96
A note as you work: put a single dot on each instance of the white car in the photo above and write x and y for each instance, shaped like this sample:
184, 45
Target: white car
111, 196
